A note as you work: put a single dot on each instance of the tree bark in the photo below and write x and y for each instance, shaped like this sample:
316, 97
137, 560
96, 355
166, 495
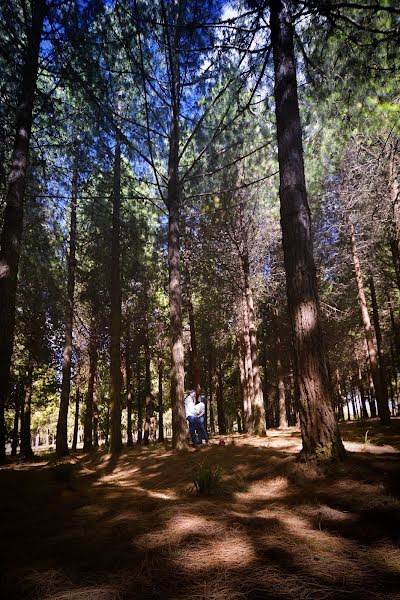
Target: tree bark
194, 357
160, 401
320, 432
25, 447
220, 403
19, 404
88, 419
210, 388
128, 373
115, 293
248, 368
76, 419
247, 412
62, 425
394, 193
379, 384
147, 365
179, 426
14, 205
258, 406
139, 402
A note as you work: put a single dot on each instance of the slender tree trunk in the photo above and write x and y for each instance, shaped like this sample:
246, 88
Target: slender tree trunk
362, 393
76, 419
320, 432
210, 388
11, 234
147, 363
62, 425
115, 293
259, 409
379, 383
95, 415
160, 400
283, 422
248, 368
88, 419
247, 412
19, 405
220, 403
25, 447
128, 373
139, 402
395, 329
394, 248
394, 193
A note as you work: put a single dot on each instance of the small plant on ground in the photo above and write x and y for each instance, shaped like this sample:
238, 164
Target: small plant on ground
215, 481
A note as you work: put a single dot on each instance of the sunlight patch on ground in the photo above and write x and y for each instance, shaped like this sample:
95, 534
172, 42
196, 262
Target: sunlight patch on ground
177, 529
370, 448
268, 490
230, 550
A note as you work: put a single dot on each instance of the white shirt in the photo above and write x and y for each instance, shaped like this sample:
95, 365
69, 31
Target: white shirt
200, 409
190, 409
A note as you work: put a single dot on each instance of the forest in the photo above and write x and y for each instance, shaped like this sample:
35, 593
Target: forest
200, 195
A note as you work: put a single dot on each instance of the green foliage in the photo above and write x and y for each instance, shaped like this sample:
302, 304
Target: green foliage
215, 480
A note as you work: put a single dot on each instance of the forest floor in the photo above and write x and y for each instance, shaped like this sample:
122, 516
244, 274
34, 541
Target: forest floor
96, 528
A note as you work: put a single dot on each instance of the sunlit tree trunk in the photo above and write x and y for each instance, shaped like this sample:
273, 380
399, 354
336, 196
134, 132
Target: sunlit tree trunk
139, 401
394, 193
147, 372
362, 393
11, 234
25, 447
77, 403
320, 432
258, 405
194, 357
247, 412
115, 293
62, 425
379, 383
248, 368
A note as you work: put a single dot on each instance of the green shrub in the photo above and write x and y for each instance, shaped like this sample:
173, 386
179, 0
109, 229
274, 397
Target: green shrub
215, 481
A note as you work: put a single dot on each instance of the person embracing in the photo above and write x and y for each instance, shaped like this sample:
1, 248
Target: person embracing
191, 416
200, 409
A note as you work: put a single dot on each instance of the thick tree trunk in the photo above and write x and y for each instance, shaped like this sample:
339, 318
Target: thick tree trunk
25, 447
259, 410
160, 400
320, 432
88, 419
62, 425
115, 293
220, 403
379, 384
13, 214
179, 425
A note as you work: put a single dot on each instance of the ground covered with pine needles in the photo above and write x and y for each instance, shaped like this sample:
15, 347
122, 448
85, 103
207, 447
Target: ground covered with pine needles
96, 528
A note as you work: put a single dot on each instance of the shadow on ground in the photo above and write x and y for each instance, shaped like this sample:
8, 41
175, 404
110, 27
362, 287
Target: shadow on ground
96, 528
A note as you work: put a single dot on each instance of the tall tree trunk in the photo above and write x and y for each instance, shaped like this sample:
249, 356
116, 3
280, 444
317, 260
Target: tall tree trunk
62, 425
394, 248
19, 405
76, 419
139, 402
220, 403
160, 400
248, 367
95, 415
379, 384
115, 293
247, 412
88, 419
210, 388
320, 432
147, 372
362, 393
128, 373
179, 426
259, 409
194, 357
25, 447
378, 334
282, 413
13, 214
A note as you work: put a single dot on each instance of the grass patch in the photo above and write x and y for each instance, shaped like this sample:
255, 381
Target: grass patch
215, 481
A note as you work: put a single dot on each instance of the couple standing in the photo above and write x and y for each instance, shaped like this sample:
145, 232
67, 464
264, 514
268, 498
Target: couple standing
194, 411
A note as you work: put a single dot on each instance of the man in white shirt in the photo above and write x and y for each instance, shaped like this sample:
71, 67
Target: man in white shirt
200, 409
